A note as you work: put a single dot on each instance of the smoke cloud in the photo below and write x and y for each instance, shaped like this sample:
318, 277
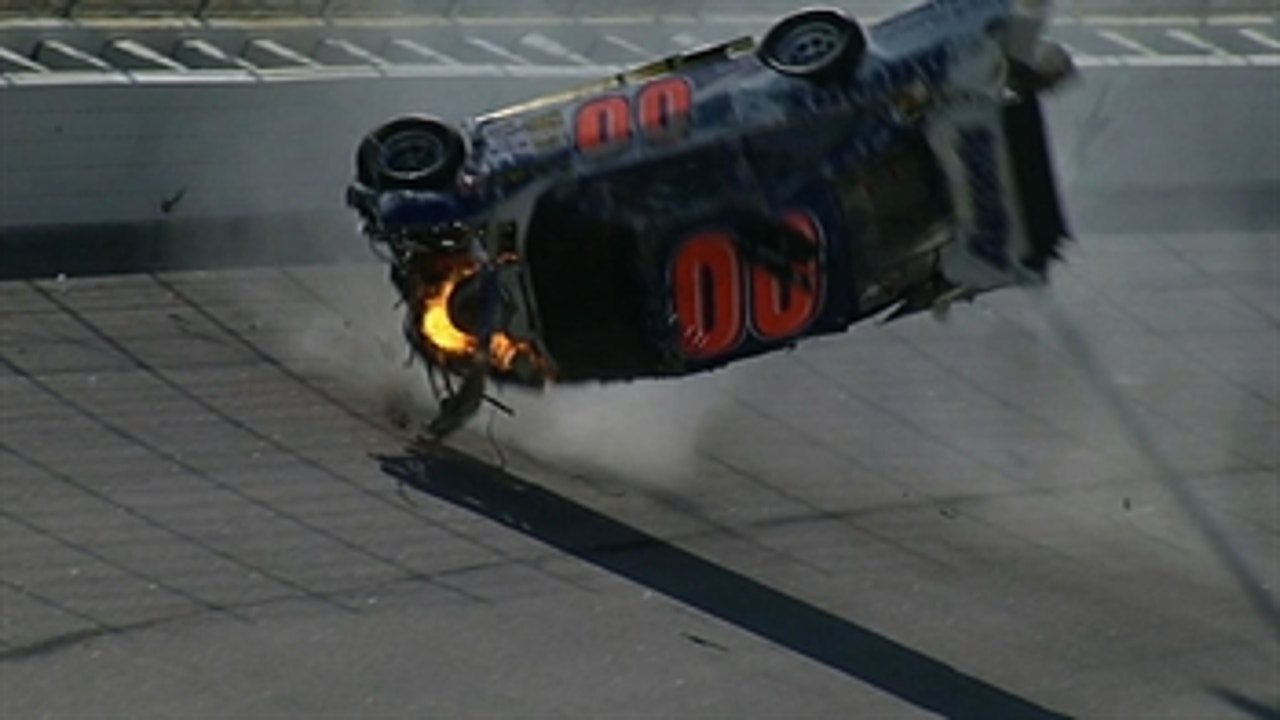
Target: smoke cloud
644, 432
352, 335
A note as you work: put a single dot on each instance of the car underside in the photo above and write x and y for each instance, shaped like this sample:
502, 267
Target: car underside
652, 253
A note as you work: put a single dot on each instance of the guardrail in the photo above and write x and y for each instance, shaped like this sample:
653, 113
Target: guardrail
213, 9
250, 137
182, 51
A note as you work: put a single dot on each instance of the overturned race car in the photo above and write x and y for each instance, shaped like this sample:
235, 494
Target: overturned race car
722, 203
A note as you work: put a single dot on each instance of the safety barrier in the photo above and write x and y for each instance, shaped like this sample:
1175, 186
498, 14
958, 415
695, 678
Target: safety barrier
245, 151
211, 9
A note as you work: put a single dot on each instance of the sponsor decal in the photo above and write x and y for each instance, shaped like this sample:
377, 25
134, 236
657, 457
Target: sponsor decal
547, 131
546, 123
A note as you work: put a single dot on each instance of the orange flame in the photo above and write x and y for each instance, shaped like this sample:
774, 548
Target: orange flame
439, 327
451, 341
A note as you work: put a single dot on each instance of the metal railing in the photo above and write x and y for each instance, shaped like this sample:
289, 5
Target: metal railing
214, 9
210, 9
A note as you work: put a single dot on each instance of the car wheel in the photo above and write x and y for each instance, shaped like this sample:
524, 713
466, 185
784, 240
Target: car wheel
814, 44
411, 153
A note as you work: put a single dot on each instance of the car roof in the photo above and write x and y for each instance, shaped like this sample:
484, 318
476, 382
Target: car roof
648, 71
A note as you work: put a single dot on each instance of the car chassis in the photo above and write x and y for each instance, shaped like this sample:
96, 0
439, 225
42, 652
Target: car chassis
921, 137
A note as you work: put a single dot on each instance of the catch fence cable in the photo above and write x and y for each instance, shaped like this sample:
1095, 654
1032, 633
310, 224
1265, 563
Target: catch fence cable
1091, 370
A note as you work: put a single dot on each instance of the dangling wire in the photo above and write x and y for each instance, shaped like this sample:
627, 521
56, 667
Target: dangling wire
433, 380
493, 441
449, 390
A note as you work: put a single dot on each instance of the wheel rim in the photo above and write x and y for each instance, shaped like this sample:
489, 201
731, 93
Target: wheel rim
412, 154
811, 45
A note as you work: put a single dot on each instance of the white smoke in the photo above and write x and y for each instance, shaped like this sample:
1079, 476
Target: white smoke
643, 432
352, 335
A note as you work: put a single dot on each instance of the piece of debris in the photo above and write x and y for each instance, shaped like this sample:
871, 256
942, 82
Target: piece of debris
170, 203
703, 642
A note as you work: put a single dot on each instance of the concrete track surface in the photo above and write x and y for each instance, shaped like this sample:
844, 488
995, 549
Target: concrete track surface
211, 506
208, 509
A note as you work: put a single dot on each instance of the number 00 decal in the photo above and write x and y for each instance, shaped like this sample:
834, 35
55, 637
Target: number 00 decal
603, 125
663, 107
713, 304
778, 310
707, 277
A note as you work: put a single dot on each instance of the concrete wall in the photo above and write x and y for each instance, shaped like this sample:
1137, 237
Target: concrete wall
250, 158
110, 154
1171, 149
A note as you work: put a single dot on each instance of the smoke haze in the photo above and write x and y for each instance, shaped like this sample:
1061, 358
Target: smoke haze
646, 432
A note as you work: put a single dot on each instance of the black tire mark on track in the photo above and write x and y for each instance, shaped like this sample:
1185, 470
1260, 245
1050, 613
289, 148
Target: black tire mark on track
348, 322
130, 438
346, 409
239, 425
207, 605
659, 499
97, 623
838, 452
816, 512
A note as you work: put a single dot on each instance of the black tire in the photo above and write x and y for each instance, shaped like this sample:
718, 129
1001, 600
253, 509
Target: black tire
411, 153
817, 45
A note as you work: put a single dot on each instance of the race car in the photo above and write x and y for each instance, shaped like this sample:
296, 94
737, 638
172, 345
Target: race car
721, 203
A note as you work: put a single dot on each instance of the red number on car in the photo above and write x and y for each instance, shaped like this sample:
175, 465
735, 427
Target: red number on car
663, 107
708, 295
780, 311
603, 125
714, 305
